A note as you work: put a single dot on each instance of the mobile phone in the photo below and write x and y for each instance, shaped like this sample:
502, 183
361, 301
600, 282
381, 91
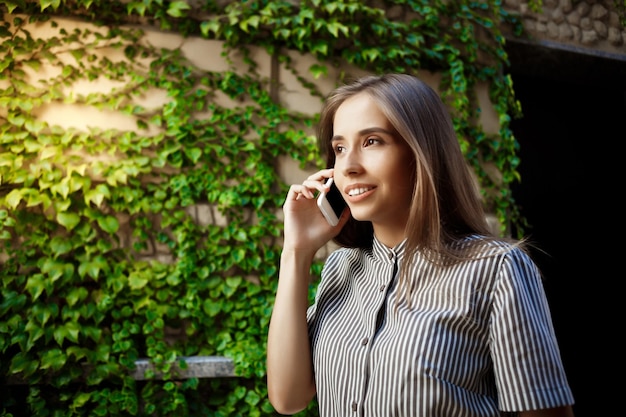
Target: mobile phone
331, 203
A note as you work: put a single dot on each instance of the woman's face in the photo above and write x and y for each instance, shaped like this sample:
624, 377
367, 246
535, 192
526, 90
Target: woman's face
373, 166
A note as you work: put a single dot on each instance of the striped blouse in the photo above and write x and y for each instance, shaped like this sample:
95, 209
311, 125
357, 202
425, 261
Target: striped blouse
478, 340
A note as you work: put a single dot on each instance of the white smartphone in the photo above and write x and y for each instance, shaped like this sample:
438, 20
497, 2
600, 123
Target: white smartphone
331, 203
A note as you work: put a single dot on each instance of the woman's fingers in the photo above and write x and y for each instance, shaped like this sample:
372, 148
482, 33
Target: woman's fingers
318, 180
299, 190
313, 182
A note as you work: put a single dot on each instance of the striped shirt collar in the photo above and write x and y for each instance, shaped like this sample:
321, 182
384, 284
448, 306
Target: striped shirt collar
388, 255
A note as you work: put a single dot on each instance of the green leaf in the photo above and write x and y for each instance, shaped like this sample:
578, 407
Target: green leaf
13, 198
53, 358
62, 188
43, 312
109, 224
211, 308
210, 26
34, 331
23, 363
80, 400
60, 245
35, 285
238, 255
50, 151
91, 268
176, 8
194, 154
75, 295
72, 331
136, 281
68, 220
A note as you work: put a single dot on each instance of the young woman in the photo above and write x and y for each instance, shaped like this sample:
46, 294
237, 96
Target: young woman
422, 312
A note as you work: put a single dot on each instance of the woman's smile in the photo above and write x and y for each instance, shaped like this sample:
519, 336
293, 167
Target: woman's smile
358, 191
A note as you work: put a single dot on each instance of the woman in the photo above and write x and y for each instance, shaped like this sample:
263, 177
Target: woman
422, 312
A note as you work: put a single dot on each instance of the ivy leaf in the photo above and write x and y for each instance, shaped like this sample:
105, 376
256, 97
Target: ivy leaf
211, 308
34, 125
94, 333
7, 159
43, 312
67, 71
210, 26
10, 7
80, 400
252, 21
75, 295
54, 269
118, 176
44, 4
176, 8
68, 220
22, 362
136, 281
234, 282
53, 358
34, 332
72, 330
78, 54
13, 198
109, 224
194, 154
238, 255
91, 268
33, 63
60, 245
318, 70
252, 398
371, 54
35, 285
62, 188
16, 119
335, 27
139, 7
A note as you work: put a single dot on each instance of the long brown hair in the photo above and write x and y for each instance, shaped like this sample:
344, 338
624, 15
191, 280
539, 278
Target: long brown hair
446, 204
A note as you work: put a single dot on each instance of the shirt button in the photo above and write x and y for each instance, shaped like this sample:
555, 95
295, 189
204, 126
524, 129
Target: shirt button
390, 255
354, 406
364, 341
382, 288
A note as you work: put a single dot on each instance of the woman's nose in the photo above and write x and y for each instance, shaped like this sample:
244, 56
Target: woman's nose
350, 164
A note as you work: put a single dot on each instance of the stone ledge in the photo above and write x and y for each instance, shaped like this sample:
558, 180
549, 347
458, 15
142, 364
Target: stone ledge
197, 367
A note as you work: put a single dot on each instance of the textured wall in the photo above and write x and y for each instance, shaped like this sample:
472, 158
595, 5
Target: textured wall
589, 24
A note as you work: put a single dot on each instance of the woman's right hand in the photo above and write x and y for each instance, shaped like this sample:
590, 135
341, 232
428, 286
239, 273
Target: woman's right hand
306, 229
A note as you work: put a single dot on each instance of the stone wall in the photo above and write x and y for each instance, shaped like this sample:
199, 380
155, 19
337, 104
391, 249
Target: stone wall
592, 25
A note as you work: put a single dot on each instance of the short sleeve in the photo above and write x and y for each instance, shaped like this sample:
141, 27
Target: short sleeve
527, 363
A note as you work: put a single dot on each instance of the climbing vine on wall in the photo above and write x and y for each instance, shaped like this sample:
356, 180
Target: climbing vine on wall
82, 212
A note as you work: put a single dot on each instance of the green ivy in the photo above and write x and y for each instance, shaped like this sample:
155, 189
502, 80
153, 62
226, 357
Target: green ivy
82, 213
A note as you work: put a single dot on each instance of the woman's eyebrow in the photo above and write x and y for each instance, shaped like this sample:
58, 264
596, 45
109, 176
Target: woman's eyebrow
366, 132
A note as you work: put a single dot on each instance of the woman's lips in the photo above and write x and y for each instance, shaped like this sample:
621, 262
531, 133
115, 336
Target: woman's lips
359, 192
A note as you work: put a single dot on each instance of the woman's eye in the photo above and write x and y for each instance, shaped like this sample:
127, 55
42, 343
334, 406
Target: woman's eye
338, 148
371, 141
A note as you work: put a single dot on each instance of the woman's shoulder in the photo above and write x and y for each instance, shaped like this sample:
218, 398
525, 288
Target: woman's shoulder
493, 249
492, 244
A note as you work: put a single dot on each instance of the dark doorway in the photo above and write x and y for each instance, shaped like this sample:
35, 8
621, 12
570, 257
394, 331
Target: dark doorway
573, 127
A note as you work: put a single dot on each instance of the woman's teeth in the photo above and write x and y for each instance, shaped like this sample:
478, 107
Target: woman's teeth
358, 191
